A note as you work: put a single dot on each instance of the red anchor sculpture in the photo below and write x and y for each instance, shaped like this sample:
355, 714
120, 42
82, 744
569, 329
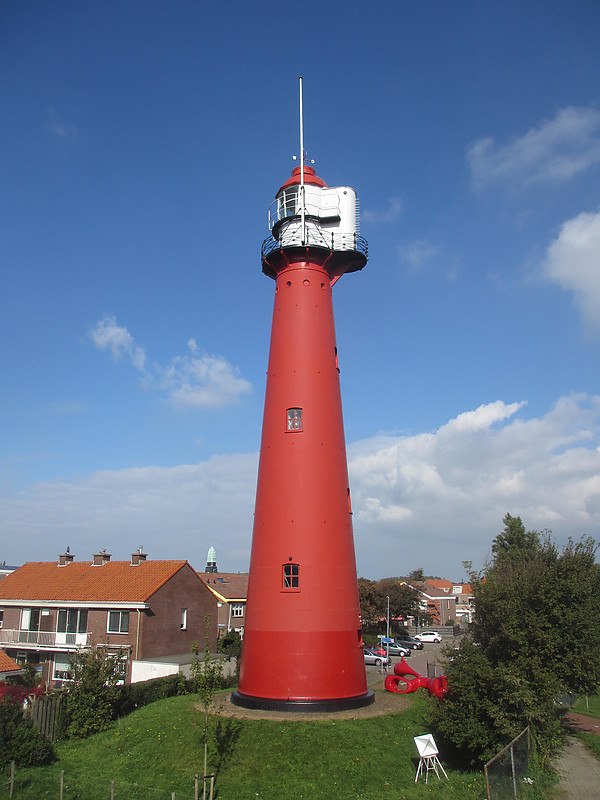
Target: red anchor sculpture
438, 687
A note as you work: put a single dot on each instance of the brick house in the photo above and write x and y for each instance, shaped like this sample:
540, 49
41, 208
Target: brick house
137, 610
230, 590
444, 600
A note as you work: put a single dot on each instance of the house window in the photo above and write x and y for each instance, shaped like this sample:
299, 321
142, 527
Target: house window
62, 670
1, 616
294, 419
291, 576
183, 624
118, 622
30, 619
72, 620
237, 609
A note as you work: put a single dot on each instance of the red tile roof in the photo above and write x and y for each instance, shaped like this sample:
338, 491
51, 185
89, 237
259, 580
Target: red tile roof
440, 583
79, 581
230, 585
7, 664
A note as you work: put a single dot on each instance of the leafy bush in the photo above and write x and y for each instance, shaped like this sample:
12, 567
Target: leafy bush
17, 692
91, 700
19, 740
536, 636
136, 695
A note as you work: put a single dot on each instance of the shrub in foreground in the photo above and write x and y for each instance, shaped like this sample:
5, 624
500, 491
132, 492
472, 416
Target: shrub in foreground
19, 740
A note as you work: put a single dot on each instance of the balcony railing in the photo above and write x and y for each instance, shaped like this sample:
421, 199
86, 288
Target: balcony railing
319, 238
44, 639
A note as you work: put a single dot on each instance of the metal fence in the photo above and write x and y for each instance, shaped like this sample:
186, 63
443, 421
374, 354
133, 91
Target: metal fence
505, 772
65, 787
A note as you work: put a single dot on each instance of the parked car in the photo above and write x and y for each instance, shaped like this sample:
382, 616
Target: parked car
372, 658
410, 641
396, 648
428, 636
399, 649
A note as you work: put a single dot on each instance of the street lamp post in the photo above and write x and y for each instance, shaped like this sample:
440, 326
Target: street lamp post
387, 631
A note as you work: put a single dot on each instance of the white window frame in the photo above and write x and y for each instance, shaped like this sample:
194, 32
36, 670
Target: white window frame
62, 662
183, 622
237, 609
294, 423
120, 631
68, 614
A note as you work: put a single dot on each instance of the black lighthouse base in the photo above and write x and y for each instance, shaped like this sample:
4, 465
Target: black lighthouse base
334, 704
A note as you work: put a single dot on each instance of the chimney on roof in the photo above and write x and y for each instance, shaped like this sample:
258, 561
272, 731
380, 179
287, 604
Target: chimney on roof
138, 557
101, 558
65, 558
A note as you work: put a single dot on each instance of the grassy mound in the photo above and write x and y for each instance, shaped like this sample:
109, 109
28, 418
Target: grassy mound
157, 750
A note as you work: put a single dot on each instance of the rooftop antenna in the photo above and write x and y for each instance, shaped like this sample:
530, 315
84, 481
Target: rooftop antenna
302, 157
302, 194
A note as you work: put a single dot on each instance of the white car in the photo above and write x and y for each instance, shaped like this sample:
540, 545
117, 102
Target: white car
428, 636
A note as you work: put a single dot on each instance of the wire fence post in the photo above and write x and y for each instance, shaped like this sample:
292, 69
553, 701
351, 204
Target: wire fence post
11, 783
196, 796
112, 789
61, 789
512, 767
212, 786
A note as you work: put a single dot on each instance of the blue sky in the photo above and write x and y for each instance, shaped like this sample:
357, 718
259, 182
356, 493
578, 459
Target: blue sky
141, 145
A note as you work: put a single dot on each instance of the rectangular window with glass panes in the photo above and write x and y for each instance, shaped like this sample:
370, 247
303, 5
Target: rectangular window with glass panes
118, 622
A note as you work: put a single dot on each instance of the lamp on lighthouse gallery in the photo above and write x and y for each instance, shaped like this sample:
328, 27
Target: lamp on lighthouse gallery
302, 646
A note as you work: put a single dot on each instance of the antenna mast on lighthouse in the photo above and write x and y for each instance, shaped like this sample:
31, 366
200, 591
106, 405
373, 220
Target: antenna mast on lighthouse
302, 189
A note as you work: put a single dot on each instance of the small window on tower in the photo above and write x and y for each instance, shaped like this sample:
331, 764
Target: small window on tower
294, 419
291, 576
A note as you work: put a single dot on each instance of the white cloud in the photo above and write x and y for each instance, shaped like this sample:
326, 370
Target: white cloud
60, 129
108, 335
433, 499
202, 381
393, 211
195, 380
416, 254
482, 418
175, 512
573, 262
554, 151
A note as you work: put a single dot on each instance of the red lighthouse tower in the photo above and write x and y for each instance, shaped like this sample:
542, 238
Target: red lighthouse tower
302, 638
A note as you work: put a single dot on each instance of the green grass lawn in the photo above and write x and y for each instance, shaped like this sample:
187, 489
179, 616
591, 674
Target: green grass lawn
589, 706
592, 742
157, 750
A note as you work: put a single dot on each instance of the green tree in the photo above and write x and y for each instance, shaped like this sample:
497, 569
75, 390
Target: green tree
231, 646
92, 698
207, 676
373, 605
403, 598
536, 635
417, 575
514, 543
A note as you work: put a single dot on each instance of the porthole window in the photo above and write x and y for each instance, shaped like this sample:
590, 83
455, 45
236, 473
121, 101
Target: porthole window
294, 419
291, 576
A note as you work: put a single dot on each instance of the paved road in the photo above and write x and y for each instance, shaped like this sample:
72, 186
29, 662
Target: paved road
418, 660
579, 772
